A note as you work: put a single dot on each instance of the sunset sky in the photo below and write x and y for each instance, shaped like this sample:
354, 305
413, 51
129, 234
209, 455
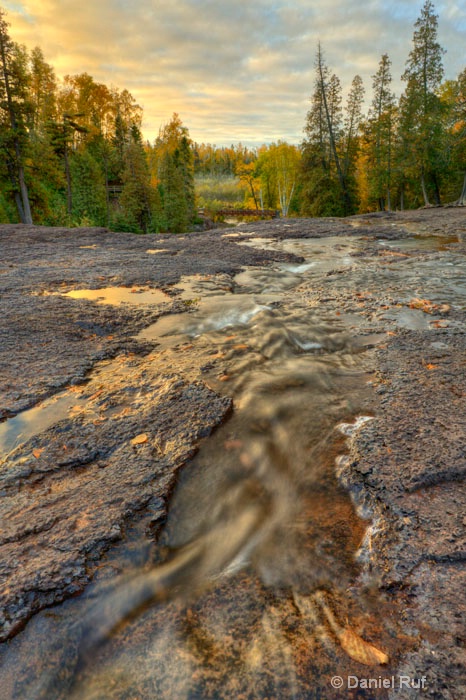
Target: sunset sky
236, 70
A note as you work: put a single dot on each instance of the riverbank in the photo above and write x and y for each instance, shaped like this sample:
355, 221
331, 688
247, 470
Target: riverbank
134, 408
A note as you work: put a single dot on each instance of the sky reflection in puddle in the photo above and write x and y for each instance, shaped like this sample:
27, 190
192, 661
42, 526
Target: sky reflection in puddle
120, 295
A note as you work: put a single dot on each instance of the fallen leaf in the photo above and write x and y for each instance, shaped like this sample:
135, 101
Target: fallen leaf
224, 378
360, 650
429, 365
422, 304
37, 452
139, 439
354, 645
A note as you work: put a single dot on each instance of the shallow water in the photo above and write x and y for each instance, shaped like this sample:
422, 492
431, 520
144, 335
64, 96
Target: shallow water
226, 604
120, 295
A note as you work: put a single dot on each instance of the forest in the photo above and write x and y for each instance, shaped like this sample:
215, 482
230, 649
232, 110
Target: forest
73, 153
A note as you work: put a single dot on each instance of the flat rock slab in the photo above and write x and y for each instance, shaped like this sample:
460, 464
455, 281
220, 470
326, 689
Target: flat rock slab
73, 490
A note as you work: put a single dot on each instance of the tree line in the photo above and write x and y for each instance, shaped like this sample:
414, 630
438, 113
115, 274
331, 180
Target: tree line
72, 151
408, 152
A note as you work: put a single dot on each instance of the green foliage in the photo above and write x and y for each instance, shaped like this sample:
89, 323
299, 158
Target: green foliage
420, 106
88, 188
172, 164
139, 201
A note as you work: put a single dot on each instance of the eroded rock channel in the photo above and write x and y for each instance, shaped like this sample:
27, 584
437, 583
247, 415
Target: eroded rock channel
233, 462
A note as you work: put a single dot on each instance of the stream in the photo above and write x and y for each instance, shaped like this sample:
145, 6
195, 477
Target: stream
232, 598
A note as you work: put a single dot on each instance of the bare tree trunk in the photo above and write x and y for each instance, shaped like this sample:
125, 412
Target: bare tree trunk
69, 195
438, 201
462, 200
424, 190
24, 196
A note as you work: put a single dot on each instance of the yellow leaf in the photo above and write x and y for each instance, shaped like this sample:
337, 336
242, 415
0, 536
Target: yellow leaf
359, 650
139, 439
352, 643
37, 452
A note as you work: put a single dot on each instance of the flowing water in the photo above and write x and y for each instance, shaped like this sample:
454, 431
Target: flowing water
226, 604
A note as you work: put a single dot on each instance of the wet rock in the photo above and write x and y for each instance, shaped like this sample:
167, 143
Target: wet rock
61, 509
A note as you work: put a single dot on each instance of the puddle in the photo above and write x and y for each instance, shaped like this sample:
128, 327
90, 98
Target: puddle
423, 243
154, 251
120, 295
17, 430
67, 404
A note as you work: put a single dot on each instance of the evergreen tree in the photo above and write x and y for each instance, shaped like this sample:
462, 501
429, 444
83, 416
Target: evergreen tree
14, 112
42, 91
174, 170
326, 191
89, 197
138, 200
380, 136
421, 109
351, 138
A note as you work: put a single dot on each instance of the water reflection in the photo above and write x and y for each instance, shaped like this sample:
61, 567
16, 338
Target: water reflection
120, 295
26, 424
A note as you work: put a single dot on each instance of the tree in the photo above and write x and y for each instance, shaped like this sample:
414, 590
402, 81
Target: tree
139, 201
421, 109
172, 163
14, 108
278, 167
326, 188
62, 135
247, 174
89, 201
42, 91
453, 98
380, 135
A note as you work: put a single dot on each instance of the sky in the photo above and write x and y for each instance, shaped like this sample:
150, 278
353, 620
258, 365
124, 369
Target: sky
234, 70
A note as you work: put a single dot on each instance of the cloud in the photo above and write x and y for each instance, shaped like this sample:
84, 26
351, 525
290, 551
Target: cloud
240, 70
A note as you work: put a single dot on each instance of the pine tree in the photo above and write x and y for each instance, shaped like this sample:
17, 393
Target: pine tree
421, 110
42, 91
325, 184
138, 200
14, 110
380, 136
89, 199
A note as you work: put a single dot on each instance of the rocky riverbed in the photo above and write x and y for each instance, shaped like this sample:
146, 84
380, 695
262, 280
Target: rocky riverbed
263, 427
